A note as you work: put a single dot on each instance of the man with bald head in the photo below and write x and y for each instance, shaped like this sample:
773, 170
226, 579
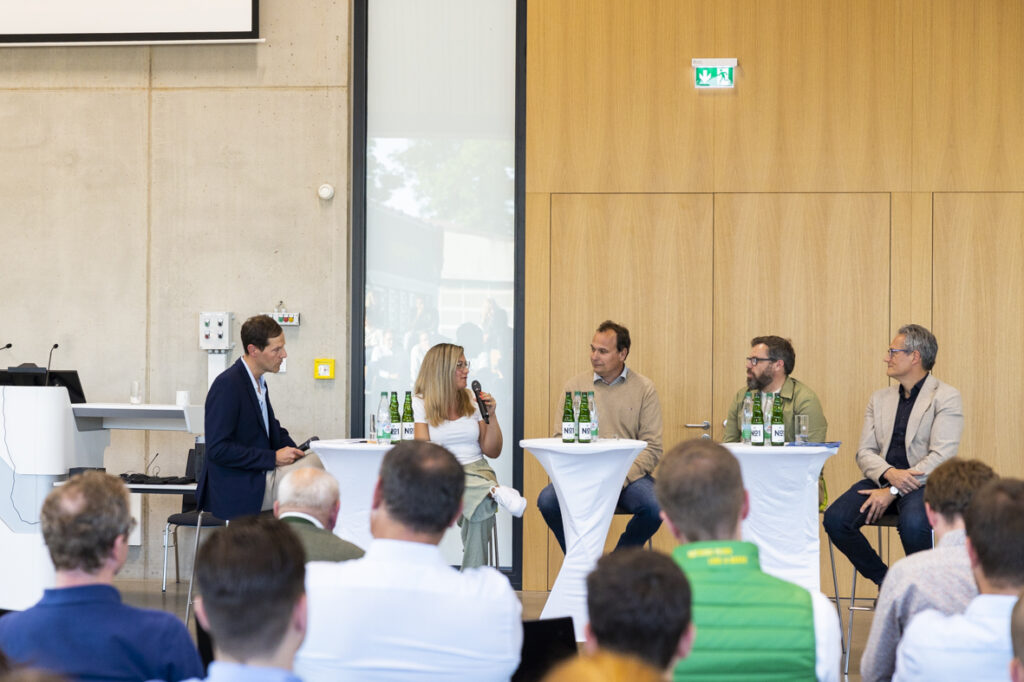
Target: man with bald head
308, 500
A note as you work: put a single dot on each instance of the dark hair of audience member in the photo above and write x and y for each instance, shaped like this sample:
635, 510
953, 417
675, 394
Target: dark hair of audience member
639, 604
82, 518
258, 330
250, 575
421, 485
952, 485
700, 488
995, 527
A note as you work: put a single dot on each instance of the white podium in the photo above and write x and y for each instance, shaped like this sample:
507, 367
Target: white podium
587, 478
783, 522
42, 436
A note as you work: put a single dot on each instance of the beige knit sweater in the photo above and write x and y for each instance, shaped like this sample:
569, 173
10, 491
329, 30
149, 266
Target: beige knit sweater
627, 409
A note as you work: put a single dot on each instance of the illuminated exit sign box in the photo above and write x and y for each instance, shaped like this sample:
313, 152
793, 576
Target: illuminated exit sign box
714, 73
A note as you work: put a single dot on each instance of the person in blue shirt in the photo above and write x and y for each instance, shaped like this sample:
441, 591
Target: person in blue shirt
80, 628
256, 623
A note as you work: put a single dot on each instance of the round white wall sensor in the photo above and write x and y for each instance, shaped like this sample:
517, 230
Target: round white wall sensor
326, 191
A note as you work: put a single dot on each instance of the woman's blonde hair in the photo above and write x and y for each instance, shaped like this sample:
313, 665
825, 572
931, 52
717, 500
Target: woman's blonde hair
436, 384
604, 666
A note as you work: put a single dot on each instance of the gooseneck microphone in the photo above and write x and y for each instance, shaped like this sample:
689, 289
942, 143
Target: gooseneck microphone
6, 347
480, 402
46, 377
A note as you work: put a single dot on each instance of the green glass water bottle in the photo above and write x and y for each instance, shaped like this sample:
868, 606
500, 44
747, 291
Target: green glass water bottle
583, 425
396, 418
568, 420
757, 422
778, 425
408, 424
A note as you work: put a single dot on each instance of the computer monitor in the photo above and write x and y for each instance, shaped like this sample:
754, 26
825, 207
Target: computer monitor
33, 375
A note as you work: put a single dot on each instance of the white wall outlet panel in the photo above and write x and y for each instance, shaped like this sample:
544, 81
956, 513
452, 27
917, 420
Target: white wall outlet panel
215, 331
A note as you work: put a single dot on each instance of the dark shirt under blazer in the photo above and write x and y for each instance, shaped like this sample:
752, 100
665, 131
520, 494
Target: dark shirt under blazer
239, 450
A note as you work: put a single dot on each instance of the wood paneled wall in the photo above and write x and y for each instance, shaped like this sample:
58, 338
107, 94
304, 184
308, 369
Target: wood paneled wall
866, 171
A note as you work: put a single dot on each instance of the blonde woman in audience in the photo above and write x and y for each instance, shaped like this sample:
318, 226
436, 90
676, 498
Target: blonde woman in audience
446, 413
605, 666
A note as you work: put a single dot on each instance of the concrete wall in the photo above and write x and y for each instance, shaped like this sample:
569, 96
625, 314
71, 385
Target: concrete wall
142, 185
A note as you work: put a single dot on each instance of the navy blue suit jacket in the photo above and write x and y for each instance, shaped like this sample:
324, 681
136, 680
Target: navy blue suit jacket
239, 452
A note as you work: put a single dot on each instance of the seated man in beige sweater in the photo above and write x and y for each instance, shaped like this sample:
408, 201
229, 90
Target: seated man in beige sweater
628, 406
308, 501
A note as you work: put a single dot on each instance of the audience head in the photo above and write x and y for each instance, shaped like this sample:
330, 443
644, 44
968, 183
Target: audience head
86, 523
604, 666
258, 330
639, 605
918, 338
309, 491
700, 490
778, 348
995, 534
251, 582
420, 487
1017, 639
952, 485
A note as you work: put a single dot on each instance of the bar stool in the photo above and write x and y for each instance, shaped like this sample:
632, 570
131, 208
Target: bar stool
884, 521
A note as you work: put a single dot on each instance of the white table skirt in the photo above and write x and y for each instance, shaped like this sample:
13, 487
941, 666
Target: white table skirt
783, 522
588, 478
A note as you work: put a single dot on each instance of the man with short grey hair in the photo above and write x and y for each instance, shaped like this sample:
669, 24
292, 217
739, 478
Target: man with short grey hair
308, 500
909, 429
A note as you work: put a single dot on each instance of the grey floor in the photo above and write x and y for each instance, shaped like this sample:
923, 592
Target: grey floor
147, 594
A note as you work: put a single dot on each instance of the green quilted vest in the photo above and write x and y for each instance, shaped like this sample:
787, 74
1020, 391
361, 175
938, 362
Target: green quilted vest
750, 625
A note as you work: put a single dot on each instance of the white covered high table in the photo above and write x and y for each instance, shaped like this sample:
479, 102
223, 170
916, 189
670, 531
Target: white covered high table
356, 465
782, 482
587, 478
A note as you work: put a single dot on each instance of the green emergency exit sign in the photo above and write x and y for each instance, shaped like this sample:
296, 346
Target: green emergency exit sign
714, 73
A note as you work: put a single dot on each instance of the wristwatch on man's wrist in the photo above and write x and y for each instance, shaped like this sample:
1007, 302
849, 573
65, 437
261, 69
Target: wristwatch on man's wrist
894, 491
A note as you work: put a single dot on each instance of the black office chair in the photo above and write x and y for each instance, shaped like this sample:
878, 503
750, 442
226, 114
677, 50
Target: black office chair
188, 516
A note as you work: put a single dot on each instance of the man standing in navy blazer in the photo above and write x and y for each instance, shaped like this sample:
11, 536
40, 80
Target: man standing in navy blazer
246, 447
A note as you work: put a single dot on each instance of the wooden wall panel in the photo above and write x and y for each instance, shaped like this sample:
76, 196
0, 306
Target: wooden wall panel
645, 262
813, 268
536, 384
911, 255
816, 106
610, 101
979, 293
968, 95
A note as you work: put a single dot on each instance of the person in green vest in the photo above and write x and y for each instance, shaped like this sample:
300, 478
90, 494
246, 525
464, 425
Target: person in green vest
769, 366
750, 625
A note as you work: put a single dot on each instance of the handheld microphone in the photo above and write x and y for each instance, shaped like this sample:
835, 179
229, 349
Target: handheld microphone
46, 377
479, 401
6, 347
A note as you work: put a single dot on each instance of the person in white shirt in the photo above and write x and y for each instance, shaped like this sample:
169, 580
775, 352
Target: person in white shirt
1017, 635
938, 578
446, 413
975, 645
252, 600
400, 612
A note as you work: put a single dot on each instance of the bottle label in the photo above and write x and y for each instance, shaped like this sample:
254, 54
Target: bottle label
593, 431
568, 432
757, 434
746, 432
384, 435
408, 430
778, 434
584, 432
396, 431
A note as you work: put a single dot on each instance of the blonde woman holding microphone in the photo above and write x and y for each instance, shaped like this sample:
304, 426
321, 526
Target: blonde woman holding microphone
446, 413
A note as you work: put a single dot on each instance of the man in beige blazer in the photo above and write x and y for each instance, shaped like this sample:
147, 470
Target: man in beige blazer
909, 429
308, 501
